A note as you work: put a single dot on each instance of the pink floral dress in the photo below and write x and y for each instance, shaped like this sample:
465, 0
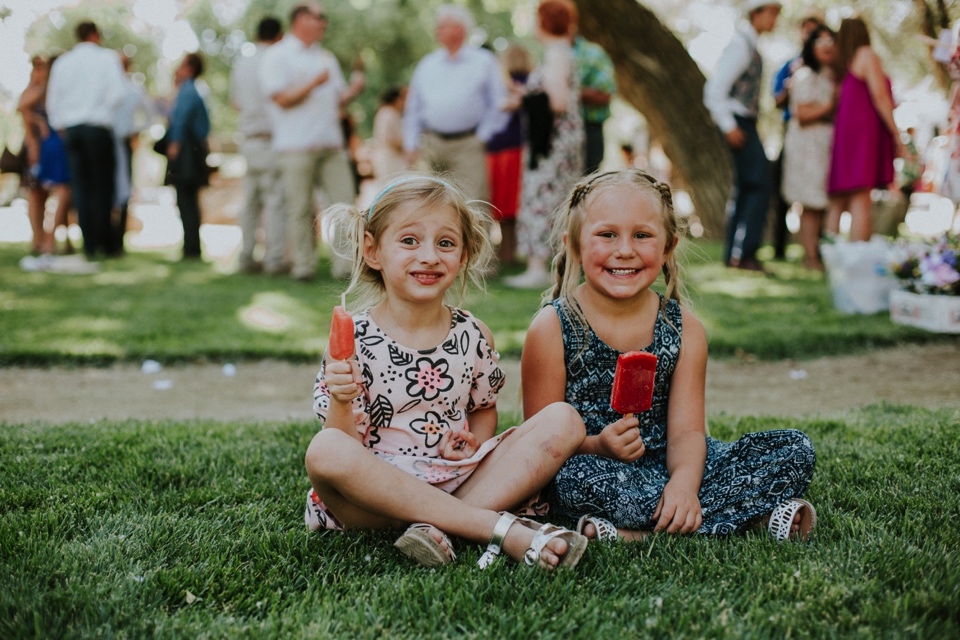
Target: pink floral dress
410, 398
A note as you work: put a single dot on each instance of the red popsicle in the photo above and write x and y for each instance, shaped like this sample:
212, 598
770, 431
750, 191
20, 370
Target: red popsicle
633, 382
341, 345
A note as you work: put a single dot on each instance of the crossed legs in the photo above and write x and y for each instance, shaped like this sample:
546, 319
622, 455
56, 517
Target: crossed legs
353, 483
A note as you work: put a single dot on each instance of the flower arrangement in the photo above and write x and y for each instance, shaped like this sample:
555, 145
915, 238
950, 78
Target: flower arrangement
931, 267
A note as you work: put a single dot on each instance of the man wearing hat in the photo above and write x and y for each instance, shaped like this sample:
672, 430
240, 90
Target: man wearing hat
732, 95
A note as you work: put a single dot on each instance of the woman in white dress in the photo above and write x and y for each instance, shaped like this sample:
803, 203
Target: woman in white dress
813, 94
388, 158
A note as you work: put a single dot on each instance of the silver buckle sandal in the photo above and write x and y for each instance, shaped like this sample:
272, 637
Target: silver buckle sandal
576, 542
606, 532
781, 519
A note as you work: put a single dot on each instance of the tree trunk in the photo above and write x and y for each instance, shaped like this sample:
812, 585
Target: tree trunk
659, 78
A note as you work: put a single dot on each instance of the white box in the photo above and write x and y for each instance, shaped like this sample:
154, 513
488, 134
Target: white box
940, 314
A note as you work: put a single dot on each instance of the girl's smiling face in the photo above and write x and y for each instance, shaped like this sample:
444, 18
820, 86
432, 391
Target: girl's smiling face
623, 242
419, 254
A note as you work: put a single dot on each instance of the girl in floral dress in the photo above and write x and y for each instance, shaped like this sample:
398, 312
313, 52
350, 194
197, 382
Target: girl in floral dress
655, 470
409, 422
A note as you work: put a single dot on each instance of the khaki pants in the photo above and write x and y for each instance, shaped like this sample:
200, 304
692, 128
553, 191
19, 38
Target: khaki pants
302, 172
262, 193
463, 159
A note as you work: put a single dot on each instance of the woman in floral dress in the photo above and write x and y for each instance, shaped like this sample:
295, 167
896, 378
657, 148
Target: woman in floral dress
547, 178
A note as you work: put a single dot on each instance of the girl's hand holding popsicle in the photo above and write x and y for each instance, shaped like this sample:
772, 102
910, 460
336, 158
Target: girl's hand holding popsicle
621, 440
632, 393
341, 371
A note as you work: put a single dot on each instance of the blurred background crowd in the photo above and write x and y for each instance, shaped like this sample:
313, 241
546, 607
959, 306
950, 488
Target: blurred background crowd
239, 120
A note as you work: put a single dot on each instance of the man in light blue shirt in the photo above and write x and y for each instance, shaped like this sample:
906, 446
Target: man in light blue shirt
454, 105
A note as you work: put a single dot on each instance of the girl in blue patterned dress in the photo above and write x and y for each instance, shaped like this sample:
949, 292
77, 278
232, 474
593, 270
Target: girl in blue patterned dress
409, 422
656, 471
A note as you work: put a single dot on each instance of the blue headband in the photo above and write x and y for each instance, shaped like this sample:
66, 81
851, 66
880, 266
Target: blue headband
396, 183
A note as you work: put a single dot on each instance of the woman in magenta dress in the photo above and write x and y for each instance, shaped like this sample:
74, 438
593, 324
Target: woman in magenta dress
866, 138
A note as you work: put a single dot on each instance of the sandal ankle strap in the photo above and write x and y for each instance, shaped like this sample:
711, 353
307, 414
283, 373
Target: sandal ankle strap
495, 546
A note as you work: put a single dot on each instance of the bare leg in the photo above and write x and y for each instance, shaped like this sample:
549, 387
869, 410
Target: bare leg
861, 206
508, 241
61, 217
811, 221
834, 211
352, 482
525, 461
36, 210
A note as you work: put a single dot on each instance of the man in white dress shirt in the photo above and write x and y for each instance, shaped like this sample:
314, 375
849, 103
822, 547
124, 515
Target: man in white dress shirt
86, 87
455, 105
732, 95
306, 89
262, 190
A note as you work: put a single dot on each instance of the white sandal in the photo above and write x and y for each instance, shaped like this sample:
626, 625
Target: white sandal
606, 532
576, 542
417, 544
781, 519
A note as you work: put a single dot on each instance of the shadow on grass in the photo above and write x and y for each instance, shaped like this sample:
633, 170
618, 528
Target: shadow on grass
147, 306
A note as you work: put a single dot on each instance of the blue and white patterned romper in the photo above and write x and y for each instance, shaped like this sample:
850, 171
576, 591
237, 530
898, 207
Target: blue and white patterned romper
742, 481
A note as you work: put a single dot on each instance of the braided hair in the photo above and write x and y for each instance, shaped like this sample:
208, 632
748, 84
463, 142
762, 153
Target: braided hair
568, 224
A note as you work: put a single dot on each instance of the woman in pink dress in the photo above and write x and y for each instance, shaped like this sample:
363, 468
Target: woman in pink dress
866, 138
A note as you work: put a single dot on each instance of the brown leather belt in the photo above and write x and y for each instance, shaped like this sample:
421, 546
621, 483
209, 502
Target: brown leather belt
456, 135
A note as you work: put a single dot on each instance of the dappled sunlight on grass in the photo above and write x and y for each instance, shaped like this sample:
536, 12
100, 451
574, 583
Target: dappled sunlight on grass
275, 312
152, 264
749, 288
88, 324
13, 302
263, 319
123, 307
199, 277
128, 278
91, 347
147, 304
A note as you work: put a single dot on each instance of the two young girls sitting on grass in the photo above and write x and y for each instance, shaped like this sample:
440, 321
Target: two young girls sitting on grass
409, 424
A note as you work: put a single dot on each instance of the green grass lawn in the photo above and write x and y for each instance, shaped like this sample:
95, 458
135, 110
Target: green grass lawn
148, 306
194, 529
190, 530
